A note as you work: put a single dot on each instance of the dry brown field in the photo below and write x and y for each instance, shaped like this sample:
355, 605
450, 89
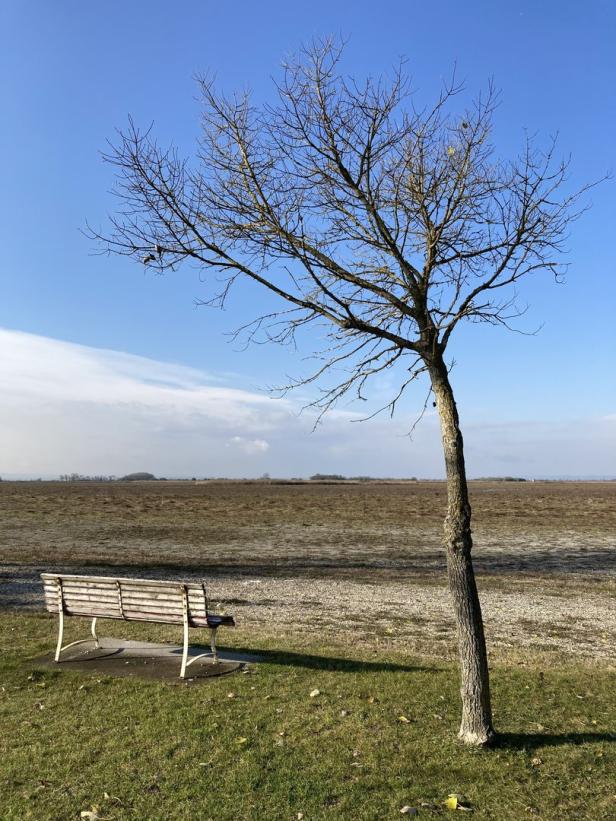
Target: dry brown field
358, 560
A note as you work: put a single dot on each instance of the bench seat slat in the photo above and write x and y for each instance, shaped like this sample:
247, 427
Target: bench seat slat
93, 610
154, 607
176, 595
52, 595
156, 583
168, 589
193, 604
68, 584
131, 615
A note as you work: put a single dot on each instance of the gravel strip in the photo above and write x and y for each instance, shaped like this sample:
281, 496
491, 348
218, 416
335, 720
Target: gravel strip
406, 614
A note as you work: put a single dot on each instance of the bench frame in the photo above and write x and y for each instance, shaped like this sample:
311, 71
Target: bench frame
182, 589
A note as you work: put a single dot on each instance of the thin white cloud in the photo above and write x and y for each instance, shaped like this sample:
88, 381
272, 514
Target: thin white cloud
68, 407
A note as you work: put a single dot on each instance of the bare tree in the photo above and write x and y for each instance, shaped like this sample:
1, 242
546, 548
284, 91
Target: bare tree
386, 223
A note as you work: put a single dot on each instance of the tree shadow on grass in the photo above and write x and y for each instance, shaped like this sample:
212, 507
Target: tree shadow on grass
530, 741
341, 665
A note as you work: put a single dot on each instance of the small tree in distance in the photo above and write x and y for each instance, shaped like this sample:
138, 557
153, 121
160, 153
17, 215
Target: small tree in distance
388, 225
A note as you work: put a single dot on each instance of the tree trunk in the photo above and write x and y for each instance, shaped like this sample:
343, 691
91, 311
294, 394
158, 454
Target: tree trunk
476, 727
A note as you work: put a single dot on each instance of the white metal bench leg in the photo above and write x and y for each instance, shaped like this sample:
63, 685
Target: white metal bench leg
94, 636
185, 648
212, 653
59, 646
60, 633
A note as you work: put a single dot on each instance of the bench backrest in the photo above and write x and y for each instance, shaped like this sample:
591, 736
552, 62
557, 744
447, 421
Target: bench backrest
122, 598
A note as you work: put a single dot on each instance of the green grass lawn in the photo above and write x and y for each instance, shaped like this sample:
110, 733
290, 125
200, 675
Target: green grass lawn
258, 746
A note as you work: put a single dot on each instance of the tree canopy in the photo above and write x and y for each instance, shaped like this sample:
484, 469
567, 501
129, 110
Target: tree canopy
388, 223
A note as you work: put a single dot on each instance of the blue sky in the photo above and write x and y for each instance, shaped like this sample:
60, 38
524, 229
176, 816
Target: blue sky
71, 72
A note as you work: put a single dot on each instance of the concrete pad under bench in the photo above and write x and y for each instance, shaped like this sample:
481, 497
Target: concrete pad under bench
145, 660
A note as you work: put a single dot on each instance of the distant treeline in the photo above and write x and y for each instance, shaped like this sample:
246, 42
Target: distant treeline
337, 477
500, 479
149, 477
131, 477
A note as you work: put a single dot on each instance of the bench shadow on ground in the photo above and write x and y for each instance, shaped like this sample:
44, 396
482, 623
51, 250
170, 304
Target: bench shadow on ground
335, 664
117, 665
119, 656
531, 741
116, 662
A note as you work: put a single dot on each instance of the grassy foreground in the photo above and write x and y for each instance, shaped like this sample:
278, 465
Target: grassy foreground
380, 735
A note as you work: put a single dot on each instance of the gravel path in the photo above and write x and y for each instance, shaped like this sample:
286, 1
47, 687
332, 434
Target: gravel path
412, 614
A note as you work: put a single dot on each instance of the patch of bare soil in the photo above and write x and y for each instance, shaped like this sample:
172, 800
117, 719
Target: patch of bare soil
361, 562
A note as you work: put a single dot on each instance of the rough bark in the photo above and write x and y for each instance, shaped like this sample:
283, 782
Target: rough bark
476, 727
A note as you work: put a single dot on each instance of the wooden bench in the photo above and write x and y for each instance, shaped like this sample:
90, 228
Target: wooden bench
161, 602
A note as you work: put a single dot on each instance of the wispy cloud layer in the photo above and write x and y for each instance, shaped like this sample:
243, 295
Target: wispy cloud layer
70, 408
